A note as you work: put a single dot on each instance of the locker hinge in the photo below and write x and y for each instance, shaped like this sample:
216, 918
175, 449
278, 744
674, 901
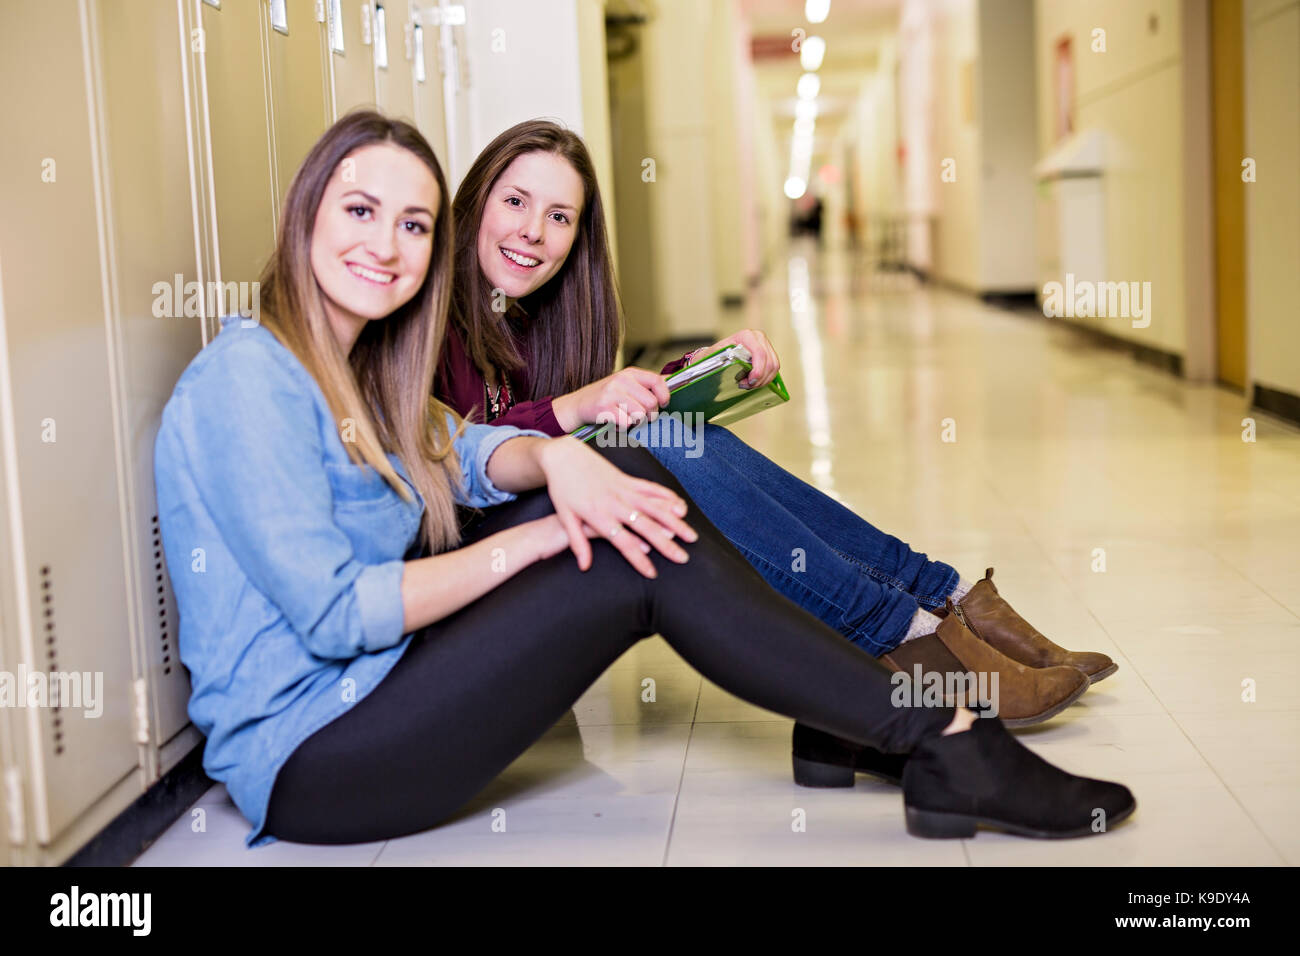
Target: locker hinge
141, 711
14, 802
320, 11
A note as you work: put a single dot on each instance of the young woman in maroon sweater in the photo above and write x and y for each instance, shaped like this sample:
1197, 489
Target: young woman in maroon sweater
534, 328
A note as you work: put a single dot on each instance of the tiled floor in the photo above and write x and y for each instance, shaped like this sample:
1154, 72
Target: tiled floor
1062, 449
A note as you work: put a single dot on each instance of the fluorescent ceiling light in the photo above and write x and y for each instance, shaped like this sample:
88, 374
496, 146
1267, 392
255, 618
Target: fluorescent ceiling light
811, 53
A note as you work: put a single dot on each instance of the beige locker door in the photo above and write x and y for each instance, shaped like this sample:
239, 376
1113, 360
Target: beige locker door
456, 85
14, 834
153, 240
62, 485
430, 111
299, 75
234, 38
393, 90
353, 65
13, 838
8, 853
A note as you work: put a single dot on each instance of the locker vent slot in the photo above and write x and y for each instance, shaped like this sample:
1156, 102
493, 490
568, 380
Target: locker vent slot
51, 653
159, 584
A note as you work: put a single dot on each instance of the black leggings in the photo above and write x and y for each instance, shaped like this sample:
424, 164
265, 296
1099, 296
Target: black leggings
475, 689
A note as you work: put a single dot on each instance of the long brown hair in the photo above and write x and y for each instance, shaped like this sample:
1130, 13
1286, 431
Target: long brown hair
391, 366
576, 324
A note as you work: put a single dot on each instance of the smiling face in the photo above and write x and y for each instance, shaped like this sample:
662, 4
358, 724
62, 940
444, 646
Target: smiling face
373, 236
530, 222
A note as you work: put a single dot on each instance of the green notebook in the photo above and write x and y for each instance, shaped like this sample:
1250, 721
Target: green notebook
710, 386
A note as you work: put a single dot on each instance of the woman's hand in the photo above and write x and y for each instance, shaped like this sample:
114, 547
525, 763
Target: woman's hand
627, 398
547, 537
766, 363
592, 498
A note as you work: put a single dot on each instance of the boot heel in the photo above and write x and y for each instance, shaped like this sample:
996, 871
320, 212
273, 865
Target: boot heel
807, 773
938, 826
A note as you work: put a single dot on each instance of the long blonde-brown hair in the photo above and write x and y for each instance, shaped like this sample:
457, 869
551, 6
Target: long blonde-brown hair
391, 367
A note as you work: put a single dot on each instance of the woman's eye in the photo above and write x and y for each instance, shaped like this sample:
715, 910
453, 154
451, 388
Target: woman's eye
352, 210
561, 217
419, 227
514, 199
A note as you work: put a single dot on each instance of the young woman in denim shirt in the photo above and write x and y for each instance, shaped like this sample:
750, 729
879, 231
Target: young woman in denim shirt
361, 666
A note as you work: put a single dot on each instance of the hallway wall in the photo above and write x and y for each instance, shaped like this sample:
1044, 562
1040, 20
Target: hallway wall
1133, 93
875, 124
1007, 118
534, 61
967, 129
1272, 80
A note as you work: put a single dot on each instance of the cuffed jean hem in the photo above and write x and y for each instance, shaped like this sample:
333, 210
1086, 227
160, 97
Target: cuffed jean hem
887, 630
929, 600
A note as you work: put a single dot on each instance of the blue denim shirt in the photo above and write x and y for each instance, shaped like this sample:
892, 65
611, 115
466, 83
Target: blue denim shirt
286, 559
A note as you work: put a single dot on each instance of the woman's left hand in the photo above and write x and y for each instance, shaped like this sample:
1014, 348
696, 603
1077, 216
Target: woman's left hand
594, 498
766, 363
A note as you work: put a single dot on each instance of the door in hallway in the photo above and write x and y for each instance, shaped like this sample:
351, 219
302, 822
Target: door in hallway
1229, 195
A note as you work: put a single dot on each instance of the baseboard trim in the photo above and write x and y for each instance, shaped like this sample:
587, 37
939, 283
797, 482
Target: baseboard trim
1161, 359
1025, 300
1277, 402
139, 825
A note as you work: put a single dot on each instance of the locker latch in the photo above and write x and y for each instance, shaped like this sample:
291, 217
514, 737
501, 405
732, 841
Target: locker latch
141, 711
14, 804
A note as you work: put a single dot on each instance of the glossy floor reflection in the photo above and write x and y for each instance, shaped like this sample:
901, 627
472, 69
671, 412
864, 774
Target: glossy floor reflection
1123, 512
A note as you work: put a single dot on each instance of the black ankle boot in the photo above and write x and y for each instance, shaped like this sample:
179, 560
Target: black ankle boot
824, 760
954, 783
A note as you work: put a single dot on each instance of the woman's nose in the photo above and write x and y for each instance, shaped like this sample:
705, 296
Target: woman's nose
382, 247
531, 231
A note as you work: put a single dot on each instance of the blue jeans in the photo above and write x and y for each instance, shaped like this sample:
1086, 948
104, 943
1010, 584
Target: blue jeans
864, 583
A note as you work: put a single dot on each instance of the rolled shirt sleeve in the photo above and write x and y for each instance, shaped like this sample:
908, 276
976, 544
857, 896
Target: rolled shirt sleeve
251, 443
474, 446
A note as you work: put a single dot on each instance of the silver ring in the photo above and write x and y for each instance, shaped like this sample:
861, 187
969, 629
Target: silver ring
632, 517
617, 529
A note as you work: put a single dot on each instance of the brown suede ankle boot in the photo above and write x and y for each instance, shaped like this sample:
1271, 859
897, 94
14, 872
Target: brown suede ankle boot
964, 667
996, 622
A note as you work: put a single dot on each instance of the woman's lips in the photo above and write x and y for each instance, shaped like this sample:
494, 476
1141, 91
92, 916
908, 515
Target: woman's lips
519, 266
378, 277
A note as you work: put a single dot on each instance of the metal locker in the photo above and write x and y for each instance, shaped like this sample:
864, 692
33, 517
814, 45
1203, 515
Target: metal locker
394, 51
151, 200
12, 826
456, 91
298, 71
60, 429
229, 43
352, 65
427, 72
